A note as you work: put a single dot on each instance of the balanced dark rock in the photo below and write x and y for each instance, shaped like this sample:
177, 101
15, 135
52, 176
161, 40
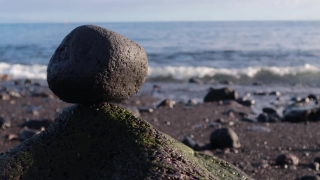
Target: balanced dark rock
220, 94
93, 65
98, 140
224, 138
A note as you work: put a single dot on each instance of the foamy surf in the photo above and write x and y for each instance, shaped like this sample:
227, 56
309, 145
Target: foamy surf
19, 71
306, 74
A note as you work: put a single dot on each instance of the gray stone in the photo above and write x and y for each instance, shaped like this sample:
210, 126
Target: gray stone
190, 143
4, 123
224, 138
287, 159
93, 65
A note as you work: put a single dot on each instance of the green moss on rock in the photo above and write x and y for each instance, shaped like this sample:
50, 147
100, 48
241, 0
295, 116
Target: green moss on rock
107, 142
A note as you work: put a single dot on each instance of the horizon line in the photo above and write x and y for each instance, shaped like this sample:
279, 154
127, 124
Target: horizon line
164, 21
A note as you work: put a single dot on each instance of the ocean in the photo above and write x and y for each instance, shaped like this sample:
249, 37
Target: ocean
278, 54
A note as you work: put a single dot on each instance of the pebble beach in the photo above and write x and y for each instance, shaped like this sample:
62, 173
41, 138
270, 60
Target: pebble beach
28, 107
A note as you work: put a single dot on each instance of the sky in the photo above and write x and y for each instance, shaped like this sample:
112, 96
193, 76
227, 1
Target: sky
17, 11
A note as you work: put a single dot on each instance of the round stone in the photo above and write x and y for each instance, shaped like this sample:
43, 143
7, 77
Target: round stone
93, 64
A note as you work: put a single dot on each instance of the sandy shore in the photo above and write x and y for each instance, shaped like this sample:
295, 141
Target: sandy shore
261, 143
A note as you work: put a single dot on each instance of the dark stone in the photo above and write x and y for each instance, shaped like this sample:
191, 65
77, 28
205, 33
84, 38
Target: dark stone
287, 159
221, 95
260, 93
195, 80
313, 97
275, 93
93, 64
226, 82
36, 124
314, 166
224, 138
257, 84
317, 159
191, 143
302, 113
104, 141
310, 177
145, 110
27, 134
4, 123
263, 117
248, 119
246, 102
268, 110
27, 81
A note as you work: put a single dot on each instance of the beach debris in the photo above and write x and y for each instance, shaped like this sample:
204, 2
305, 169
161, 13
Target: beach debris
166, 103
12, 137
259, 129
224, 138
4, 96
101, 66
4, 77
287, 159
220, 94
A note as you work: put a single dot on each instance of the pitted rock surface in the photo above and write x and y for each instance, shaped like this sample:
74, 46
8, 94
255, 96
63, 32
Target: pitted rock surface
93, 65
107, 142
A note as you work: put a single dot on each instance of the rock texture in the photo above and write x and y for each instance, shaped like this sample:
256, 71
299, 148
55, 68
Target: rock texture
107, 142
93, 65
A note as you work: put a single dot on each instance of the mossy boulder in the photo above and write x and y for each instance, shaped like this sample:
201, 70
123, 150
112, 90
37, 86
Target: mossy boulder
104, 141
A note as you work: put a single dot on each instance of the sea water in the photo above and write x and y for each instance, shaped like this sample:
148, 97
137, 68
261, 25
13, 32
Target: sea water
282, 55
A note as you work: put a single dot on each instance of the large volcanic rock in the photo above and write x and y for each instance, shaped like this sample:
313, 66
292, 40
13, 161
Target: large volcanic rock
107, 142
93, 65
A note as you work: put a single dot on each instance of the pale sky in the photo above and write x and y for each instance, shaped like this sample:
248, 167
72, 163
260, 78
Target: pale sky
15, 11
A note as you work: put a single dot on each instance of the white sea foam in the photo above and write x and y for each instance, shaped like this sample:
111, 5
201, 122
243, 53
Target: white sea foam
184, 72
36, 71
19, 71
